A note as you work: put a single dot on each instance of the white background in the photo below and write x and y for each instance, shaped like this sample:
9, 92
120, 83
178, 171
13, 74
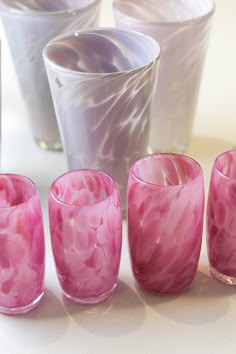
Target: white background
201, 320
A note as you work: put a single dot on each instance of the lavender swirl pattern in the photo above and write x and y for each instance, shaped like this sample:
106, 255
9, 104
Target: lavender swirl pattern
22, 245
221, 218
47, 6
86, 226
103, 83
29, 25
165, 220
182, 28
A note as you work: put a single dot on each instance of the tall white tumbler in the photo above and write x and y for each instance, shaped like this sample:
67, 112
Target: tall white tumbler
182, 27
29, 25
103, 82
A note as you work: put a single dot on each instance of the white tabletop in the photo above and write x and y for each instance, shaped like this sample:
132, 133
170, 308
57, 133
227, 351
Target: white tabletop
202, 319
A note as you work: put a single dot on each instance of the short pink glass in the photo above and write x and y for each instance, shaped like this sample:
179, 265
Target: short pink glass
86, 234
22, 252
165, 219
221, 219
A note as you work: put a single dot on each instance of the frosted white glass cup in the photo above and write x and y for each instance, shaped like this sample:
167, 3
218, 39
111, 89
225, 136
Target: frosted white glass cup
182, 27
29, 25
103, 82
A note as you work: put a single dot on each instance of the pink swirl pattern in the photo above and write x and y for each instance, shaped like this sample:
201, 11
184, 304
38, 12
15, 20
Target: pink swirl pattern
29, 25
182, 28
165, 220
103, 82
221, 218
21, 245
86, 227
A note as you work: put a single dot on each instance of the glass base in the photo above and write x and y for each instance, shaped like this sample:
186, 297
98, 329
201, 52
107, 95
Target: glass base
164, 294
182, 149
21, 310
222, 277
48, 145
91, 300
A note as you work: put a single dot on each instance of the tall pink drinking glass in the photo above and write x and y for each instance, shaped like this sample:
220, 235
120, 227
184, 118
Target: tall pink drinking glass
221, 219
86, 234
21, 245
165, 219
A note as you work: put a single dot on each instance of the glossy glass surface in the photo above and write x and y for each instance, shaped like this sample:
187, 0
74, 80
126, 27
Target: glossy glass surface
221, 218
103, 82
182, 28
21, 245
165, 218
86, 234
29, 25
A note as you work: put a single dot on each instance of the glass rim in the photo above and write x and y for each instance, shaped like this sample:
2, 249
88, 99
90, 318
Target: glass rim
183, 157
28, 182
11, 11
166, 23
96, 30
215, 165
74, 206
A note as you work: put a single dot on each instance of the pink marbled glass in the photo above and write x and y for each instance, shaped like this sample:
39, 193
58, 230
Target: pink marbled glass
22, 253
221, 219
86, 234
165, 220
